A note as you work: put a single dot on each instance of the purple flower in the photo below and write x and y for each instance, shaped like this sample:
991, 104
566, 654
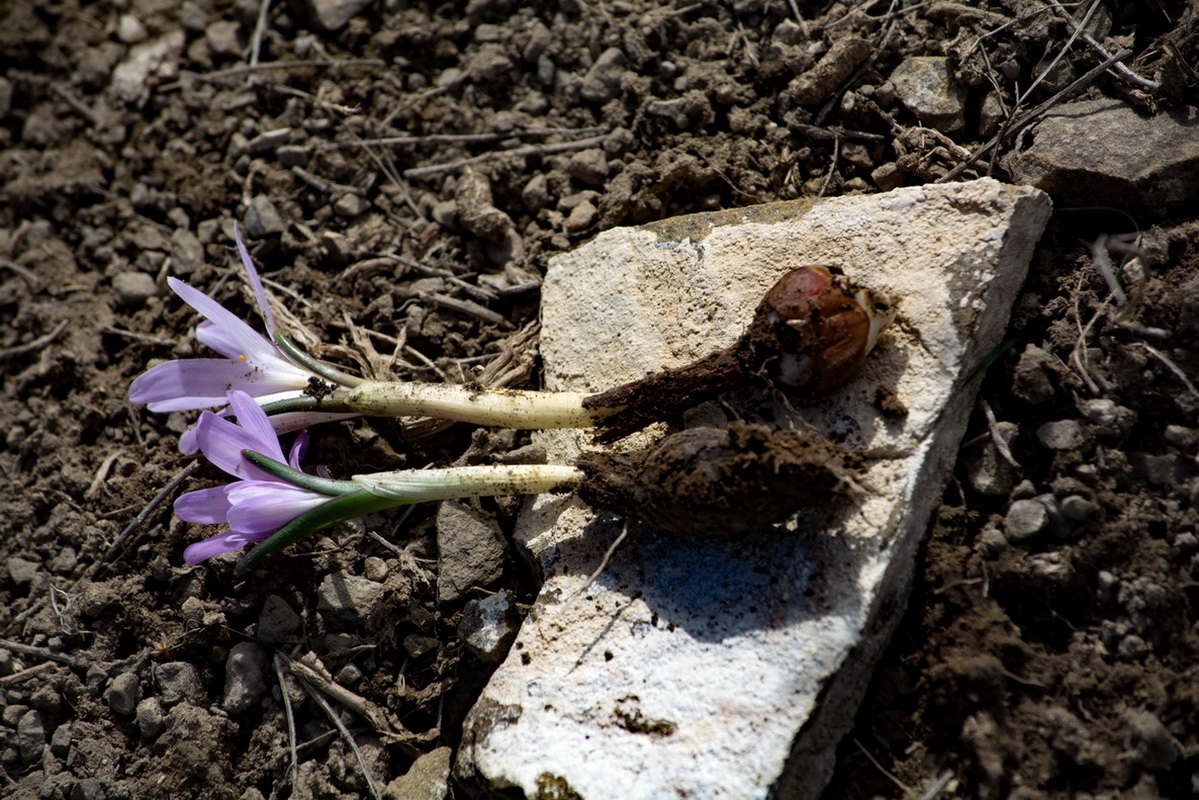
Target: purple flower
252, 364
258, 503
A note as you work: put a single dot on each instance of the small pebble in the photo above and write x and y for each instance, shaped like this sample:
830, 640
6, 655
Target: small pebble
1164, 470
132, 289
31, 736
489, 626
224, 38
178, 682
1078, 509
130, 29
60, 740
582, 217
350, 205
1064, 434
245, 677
347, 598
150, 718
602, 81
1186, 542
1025, 518
1132, 647
123, 693
589, 166
262, 218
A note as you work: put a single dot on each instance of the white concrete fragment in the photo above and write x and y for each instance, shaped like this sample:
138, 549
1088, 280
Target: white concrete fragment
731, 669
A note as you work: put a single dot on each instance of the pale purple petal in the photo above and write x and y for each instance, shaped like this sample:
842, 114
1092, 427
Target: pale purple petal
265, 507
255, 422
204, 382
205, 506
223, 543
222, 443
232, 344
237, 339
298, 448
259, 291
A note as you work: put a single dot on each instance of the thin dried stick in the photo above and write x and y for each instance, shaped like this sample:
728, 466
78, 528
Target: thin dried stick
289, 717
1001, 444
172, 484
1177, 370
43, 653
1124, 71
463, 138
345, 733
36, 344
516, 152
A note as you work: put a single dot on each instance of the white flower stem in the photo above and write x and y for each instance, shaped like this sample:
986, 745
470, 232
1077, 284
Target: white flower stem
505, 408
422, 485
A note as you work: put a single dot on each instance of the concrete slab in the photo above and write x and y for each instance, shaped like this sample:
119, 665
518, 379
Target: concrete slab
731, 669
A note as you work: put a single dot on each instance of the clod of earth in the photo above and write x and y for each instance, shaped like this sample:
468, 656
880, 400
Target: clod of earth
810, 334
717, 482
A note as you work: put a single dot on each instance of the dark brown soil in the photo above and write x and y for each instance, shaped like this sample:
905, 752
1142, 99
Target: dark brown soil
719, 482
1061, 662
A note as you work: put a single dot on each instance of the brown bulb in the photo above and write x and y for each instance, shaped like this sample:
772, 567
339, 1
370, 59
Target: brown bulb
813, 330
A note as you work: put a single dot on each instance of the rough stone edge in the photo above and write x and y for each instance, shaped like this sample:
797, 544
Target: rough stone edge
813, 755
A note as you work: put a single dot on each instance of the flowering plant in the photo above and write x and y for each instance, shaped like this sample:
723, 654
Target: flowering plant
276, 503
252, 364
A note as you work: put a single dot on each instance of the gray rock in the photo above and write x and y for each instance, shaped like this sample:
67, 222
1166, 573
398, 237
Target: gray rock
991, 541
31, 736
1100, 410
1063, 434
582, 217
1025, 518
224, 38
22, 571
150, 718
1077, 508
602, 81
331, 15
1165, 470
536, 195
1151, 745
471, 550
123, 693
60, 740
417, 645
347, 599
187, 254
488, 627
277, 624
89, 789
132, 289
350, 205
926, 85
1036, 377
130, 29
262, 218
130, 78
427, 779
589, 166
1104, 148
987, 471
1182, 437
178, 682
245, 677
